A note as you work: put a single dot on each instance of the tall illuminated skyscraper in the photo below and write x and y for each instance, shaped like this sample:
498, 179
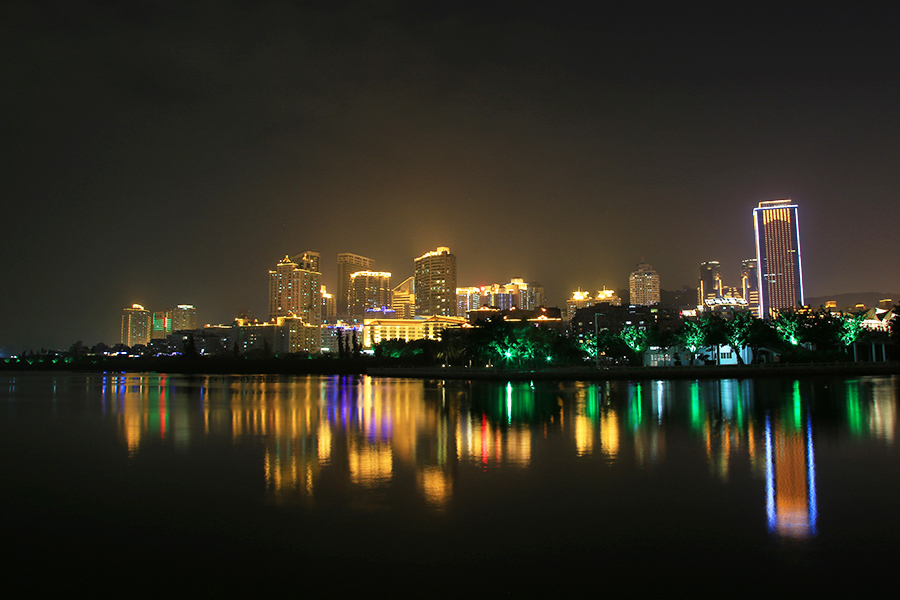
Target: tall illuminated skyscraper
295, 290
643, 284
347, 265
435, 274
135, 325
779, 270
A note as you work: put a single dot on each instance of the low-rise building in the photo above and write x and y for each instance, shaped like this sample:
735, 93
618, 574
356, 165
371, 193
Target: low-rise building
418, 328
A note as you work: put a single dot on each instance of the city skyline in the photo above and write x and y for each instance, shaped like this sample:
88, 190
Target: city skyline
174, 154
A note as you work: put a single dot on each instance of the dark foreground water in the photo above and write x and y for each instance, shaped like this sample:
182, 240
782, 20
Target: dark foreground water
172, 486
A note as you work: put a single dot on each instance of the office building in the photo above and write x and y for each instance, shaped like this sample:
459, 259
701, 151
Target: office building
347, 265
435, 274
368, 290
161, 324
136, 326
643, 285
295, 291
168, 321
779, 270
710, 287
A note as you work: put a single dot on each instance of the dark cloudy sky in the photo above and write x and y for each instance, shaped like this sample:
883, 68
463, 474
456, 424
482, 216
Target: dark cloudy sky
172, 152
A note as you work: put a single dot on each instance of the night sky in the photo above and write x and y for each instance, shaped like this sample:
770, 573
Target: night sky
173, 152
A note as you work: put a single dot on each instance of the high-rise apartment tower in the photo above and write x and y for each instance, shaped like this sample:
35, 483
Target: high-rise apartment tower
135, 325
368, 290
295, 290
347, 265
644, 285
435, 274
184, 316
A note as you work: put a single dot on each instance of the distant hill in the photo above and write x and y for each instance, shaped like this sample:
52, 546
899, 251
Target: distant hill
870, 299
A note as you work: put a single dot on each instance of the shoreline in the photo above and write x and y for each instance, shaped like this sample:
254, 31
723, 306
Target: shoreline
643, 373
584, 373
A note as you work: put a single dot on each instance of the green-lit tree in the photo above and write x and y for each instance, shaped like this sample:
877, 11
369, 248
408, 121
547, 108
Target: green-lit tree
589, 346
692, 337
636, 338
851, 328
791, 326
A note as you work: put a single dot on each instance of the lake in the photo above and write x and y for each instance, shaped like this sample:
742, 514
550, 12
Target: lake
156, 485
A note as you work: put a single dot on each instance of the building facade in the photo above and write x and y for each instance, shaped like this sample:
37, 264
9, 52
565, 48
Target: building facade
161, 325
184, 316
347, 265
403, 299
643, 285
779, 270
750, 284
435, 274
608, 297
136, 326
468, 299
710, 287
295, 290
329, 307
285, 334
368, 290
418, 328
579, 299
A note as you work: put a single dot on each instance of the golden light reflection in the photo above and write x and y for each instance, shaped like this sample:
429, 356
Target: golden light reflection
370, 464
370, 432
436, 486
883, 416
609, 433
584, 434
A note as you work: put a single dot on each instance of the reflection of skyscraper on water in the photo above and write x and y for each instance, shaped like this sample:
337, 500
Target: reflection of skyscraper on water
791, 505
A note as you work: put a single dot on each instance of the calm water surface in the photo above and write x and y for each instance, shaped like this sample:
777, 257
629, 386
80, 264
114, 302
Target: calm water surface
151, 485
